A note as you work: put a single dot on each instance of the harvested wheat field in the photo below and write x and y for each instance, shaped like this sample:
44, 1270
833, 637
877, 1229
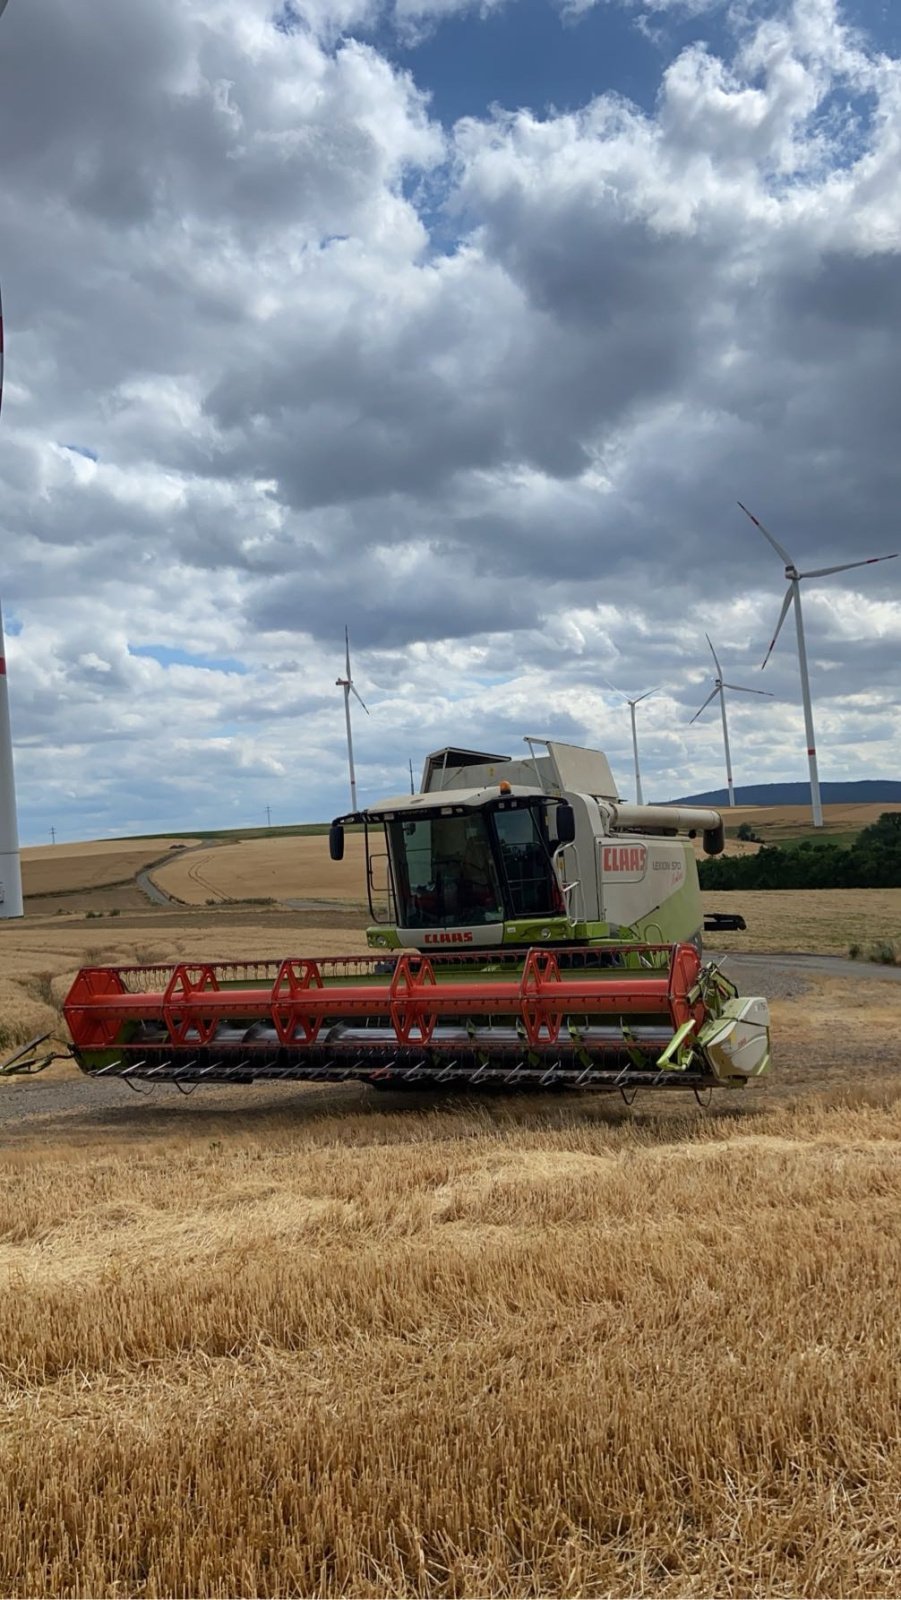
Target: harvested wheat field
66, 868
823, 921
290, 867
792, 822
286, 867
40, 957
303, 1340
514, 1349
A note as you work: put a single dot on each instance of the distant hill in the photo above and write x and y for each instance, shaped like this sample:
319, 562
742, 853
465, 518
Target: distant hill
869, 791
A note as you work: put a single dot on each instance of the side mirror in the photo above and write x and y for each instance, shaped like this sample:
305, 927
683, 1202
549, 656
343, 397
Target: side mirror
336, 841
565, 818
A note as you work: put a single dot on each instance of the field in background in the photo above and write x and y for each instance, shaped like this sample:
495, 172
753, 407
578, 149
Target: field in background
278, 868
39, 958
292, 864
777, 824
821, 921
286, 867
67, 868
515, 1349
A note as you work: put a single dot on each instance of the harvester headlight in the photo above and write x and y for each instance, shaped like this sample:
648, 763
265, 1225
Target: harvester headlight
545, 933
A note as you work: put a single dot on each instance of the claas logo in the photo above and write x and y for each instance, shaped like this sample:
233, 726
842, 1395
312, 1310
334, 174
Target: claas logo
448, 938
624, 858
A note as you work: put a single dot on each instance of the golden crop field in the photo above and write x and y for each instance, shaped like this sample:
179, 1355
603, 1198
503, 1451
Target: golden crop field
310, 1340
40, 957
285, 867
790, 822
514, 1349
297, 867
62, 868
821, 921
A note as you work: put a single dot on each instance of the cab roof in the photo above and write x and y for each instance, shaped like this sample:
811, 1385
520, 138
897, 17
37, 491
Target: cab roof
444, 802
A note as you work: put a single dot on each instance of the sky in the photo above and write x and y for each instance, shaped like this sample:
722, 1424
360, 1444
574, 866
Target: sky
466, 326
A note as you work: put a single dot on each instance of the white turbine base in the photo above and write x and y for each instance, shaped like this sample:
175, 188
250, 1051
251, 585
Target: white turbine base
10, 885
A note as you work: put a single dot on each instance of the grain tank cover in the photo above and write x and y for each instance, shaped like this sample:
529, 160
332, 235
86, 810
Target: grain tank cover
574, 769
445, 769
559, 770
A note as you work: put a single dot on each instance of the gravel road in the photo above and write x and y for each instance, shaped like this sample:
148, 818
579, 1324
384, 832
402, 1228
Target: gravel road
31, 1107
750, 969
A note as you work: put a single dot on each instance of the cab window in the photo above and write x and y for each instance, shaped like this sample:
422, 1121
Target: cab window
444, 872
532, 887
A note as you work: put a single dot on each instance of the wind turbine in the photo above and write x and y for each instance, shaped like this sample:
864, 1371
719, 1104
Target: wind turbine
719, 688
347, 684
632, 704
793, 596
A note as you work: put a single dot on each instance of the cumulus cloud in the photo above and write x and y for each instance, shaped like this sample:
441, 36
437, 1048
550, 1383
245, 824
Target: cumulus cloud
284, 352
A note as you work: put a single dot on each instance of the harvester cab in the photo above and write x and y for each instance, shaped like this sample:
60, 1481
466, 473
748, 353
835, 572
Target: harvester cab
541, 851
534, 930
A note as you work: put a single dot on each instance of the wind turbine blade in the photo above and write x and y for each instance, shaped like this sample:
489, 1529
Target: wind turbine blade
739, 688
782, 616
767, 535
615, 690
360, 698
646, 696
719, 670
347, 650
823, 572
712, 696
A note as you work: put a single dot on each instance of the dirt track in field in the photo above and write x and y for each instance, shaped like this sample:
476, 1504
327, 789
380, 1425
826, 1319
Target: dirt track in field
283, 868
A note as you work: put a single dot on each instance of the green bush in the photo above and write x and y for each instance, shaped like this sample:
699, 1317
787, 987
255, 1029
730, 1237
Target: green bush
872, 862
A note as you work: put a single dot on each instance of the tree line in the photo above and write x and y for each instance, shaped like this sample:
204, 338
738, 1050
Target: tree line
873, 861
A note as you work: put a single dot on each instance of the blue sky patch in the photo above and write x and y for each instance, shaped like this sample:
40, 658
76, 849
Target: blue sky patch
170, 656
81, 450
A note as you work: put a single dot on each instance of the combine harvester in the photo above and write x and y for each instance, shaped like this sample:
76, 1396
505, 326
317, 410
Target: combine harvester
537, 932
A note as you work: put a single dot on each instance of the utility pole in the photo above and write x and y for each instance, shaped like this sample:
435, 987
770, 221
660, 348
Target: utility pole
53, 836
412, 789
268, 816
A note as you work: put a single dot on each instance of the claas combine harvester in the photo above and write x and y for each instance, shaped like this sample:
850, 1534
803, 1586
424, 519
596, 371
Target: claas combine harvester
531, 930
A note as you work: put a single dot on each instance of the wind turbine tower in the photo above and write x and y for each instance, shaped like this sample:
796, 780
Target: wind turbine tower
719, 688
10, 864
793, 597
347, 684
10, 867
632, 704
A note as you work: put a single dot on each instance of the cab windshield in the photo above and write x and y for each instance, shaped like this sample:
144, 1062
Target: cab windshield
471, 869
444, 873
